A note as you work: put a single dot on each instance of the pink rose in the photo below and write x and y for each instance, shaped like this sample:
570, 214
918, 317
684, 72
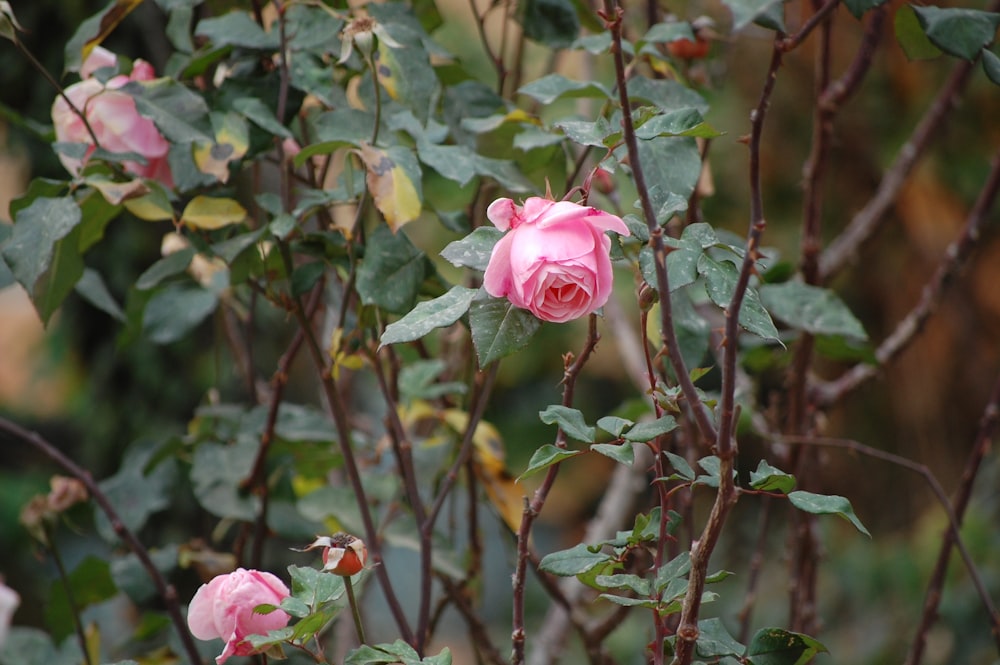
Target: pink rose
9, 600
223, 609
554, 261
113, 117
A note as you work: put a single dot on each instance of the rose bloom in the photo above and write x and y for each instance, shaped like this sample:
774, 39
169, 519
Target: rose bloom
554, 259
9, 600
113, 117
223, 609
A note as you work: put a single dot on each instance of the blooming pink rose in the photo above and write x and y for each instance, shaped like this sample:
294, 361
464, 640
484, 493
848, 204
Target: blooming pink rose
113, 117
9, 600
223, 608
554, 260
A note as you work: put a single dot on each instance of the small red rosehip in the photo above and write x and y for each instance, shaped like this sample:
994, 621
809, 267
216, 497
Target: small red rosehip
343, 554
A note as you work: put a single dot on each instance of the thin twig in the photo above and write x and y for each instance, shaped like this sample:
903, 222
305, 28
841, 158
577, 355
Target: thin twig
954, 513
864, 224
908, 328
793, 41
166, 590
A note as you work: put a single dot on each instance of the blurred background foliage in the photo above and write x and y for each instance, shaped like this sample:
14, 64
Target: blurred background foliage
82, 386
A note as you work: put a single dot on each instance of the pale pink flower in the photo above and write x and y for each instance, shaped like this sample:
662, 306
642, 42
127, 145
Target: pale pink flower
9, 600
112, 115
554, 260
224, 608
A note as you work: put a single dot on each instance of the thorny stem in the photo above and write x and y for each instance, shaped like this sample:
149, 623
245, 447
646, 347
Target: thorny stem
534, 507
845, 247
907, 329
687, 631
792, 41
613, 19
166, 590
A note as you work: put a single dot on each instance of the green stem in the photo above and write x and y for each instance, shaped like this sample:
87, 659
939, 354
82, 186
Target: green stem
355, 612
74, 609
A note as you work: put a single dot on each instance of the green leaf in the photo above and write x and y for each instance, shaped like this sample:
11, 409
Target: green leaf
666, 32
92, 288
94, 30
823, 504
666, 95
715, 641
673, 165
217, 472
911, 36
775, 646
168, 266
622, 453
315, 587
614, 425
959, 32
647, 431
391, 272
769, 479
430, 314
90, 583
682, 122
474, 250
746, 12
551, 87
570, 421
33, 646
859, 7
810, 308
257, 112
42, 251
499, 329
638, 585
175, 311
551, 22
180, 114
454, 162
545, 457
574, 561
139, 489
305, 276
720, 281
132, 578
991, 65
237, 28
680, 465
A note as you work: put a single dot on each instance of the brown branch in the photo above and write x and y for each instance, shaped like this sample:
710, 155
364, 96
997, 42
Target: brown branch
793, 41
166, 590
908, 328
984, 438
612, 15
954, 513
864, 224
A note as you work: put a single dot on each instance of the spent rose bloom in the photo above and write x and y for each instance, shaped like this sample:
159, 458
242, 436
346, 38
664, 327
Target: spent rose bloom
223, 608
343, 554
9, 600
113, 117
554, 259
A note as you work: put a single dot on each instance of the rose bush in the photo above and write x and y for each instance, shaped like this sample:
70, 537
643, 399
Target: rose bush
224, 608
554, 260
113, 117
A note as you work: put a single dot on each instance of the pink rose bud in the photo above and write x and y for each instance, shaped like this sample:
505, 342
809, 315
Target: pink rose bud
343, 554
554, 261
113, 117
9, 600
224, 608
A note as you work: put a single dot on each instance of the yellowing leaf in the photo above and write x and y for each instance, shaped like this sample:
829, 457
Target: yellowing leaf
394, 192
152, 207
110, 19
232, 138
117, 192
206, 212
387, 69
488, 456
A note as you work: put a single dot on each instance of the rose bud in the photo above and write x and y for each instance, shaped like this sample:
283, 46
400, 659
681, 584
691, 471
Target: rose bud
343, 554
